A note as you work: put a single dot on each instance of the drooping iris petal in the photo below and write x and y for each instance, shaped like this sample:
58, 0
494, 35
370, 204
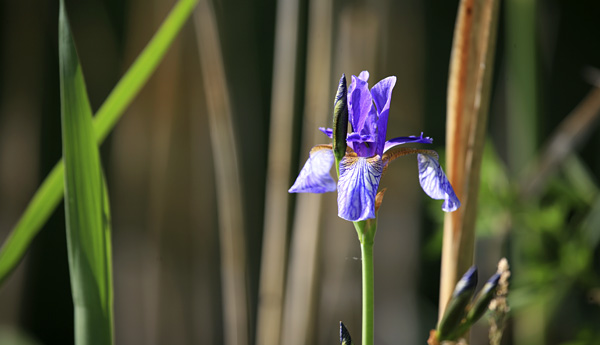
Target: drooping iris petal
315, 176
382, 96
405, 140
435, 184
357, 187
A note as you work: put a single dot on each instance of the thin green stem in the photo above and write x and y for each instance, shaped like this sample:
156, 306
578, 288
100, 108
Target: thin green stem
366, 235
366, 249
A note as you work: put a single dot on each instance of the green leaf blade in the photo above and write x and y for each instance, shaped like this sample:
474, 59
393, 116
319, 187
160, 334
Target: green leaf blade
50, 193
44, 202
86, 201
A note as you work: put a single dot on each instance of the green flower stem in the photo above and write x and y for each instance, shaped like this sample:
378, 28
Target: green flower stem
367, 293
366, 235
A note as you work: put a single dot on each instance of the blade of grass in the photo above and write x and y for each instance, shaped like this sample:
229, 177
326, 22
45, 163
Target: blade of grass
86, 206
50, 193
469, 89
227, 174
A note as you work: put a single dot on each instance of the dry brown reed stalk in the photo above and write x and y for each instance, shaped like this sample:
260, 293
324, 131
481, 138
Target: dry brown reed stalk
227, 175
204, 273
162, 118
300, 292
272, 270
467, 107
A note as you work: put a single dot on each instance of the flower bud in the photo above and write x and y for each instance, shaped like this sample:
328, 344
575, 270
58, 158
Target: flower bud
345, 338
483, 299
456, 309
340, 121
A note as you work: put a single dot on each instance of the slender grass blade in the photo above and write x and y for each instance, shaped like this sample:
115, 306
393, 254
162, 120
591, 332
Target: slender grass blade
86, 206
50, 193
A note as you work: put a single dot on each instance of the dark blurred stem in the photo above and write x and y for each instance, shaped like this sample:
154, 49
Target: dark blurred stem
522, 93
522, 114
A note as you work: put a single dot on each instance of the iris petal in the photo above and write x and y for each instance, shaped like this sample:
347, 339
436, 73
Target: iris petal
405, 140
314, 176
327, 131
364, 75
357, 187
359, 103
382, 96
356, 137
435, 184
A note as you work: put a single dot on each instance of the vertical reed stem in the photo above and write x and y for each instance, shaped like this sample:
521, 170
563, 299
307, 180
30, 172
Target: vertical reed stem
469, 87
227, 175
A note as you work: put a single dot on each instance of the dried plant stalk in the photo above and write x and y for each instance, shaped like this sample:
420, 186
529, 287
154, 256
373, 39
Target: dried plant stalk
227, 176
272, 270
300, 292
468, 101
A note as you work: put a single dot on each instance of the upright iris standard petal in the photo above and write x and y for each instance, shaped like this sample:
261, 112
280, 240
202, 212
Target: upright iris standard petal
359, 103
382, 96
357, 187
363, 116
364, 75
435, 184
315, 176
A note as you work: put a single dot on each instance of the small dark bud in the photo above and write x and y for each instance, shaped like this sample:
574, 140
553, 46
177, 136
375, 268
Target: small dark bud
483, 299
345, 338
467, 283
456, 309
340, 120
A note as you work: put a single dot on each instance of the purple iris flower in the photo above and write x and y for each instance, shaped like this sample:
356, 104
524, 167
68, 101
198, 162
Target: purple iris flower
368, 154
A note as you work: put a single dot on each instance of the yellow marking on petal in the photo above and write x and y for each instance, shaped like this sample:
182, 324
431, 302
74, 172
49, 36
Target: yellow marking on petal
350, 160
321, 147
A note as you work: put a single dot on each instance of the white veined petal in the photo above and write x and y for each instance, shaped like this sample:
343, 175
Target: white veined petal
357, 187
435, 184
314, 176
